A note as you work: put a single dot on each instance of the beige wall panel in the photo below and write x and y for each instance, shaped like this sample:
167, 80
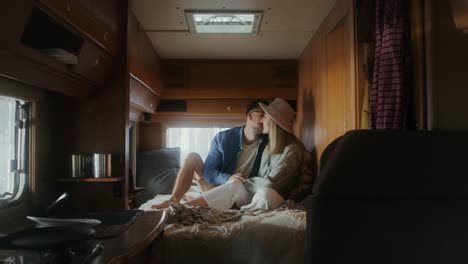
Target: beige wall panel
336, 96
326, 101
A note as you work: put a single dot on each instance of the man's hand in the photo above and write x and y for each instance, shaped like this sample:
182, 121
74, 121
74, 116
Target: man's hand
238, 176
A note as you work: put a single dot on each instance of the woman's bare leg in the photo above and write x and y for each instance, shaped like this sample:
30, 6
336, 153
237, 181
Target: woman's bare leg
199, 201
192, 168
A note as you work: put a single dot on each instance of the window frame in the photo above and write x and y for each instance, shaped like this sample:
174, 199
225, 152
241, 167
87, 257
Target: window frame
190, 16
22, 186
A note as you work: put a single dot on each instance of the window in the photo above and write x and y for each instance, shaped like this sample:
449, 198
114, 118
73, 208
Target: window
191, 139
223, 21
14, 147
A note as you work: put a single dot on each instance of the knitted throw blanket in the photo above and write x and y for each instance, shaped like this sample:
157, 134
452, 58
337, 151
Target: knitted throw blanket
188, 215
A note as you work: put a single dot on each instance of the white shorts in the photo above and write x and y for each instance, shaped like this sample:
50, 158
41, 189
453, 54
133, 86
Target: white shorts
227, 195
265, 199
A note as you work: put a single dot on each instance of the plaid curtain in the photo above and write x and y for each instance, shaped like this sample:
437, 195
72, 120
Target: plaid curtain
390, 74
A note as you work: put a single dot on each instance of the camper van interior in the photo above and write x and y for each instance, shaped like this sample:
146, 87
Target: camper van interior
102, 101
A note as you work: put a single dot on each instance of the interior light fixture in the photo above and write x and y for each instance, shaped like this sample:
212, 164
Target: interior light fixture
223, 21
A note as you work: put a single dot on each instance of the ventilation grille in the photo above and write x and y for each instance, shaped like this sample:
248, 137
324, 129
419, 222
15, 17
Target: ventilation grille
172, 106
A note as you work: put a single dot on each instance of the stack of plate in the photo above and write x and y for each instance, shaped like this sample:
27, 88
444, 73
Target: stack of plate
61, 55
47, 222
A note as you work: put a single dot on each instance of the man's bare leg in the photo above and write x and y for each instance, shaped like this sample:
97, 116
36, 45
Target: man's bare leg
198, 172
204, 185
192, 168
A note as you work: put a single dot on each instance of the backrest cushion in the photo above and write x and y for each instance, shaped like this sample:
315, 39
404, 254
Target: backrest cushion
396, 164
157, 170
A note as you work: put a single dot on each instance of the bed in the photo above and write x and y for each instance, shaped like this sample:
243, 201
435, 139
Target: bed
195, 234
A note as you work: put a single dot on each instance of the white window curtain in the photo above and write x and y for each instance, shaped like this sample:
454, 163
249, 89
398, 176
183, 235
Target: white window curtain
7, 143
191, 139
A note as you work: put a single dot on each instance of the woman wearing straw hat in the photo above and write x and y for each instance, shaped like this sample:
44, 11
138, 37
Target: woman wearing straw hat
279, 168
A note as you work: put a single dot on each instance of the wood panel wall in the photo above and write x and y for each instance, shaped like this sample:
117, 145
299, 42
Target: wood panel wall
144, 62
150, 136
100, 125
327, 86
93, 124
447, 61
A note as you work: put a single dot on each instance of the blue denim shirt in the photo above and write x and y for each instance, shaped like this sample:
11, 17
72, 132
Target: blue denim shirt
224, 152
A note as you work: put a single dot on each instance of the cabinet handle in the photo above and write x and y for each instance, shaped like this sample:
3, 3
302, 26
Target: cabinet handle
97, 61
229, 108
106, 36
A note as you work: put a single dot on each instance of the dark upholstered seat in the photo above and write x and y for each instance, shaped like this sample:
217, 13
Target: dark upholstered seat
390, 197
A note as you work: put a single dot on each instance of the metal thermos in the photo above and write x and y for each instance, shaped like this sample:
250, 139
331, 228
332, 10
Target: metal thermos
108, 165
99, 165
76, 166
96, 165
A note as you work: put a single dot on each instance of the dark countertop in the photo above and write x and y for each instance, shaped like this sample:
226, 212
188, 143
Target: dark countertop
134, 240
129, 244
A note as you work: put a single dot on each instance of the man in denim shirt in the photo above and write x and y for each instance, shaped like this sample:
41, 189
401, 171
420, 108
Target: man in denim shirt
235, 152
223, 157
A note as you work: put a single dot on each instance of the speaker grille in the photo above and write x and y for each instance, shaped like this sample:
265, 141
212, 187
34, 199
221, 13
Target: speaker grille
172, 106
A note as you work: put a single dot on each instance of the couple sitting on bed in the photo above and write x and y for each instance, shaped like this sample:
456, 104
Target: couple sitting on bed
244, 168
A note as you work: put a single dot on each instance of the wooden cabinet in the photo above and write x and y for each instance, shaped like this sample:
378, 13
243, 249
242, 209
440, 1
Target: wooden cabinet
230, 79
223, 79
93, 63
80, 16
142, 97
54, 45
204, 112
285, 80
143, 61
175, 80
218, 107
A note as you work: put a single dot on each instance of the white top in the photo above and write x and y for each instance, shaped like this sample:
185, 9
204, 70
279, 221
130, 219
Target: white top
246, 158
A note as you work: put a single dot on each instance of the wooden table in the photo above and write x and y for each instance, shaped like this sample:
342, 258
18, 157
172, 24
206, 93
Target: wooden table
131, 243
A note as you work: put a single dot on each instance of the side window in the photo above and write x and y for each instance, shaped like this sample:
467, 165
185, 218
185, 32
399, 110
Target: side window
191, 139
14, 148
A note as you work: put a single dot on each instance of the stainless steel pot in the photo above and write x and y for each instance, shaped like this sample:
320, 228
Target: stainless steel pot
96, 165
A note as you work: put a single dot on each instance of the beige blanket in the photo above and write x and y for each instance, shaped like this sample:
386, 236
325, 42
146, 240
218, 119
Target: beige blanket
195, 234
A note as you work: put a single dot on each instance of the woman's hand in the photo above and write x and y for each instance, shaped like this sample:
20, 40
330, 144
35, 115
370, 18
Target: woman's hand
238, 176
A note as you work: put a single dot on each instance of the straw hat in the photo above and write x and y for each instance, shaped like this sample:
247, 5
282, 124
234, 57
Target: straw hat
281, 112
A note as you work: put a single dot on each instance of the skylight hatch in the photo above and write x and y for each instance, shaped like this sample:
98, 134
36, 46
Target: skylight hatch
223, 22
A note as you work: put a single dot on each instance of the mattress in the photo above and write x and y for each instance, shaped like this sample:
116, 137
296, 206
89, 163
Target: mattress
195, 234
